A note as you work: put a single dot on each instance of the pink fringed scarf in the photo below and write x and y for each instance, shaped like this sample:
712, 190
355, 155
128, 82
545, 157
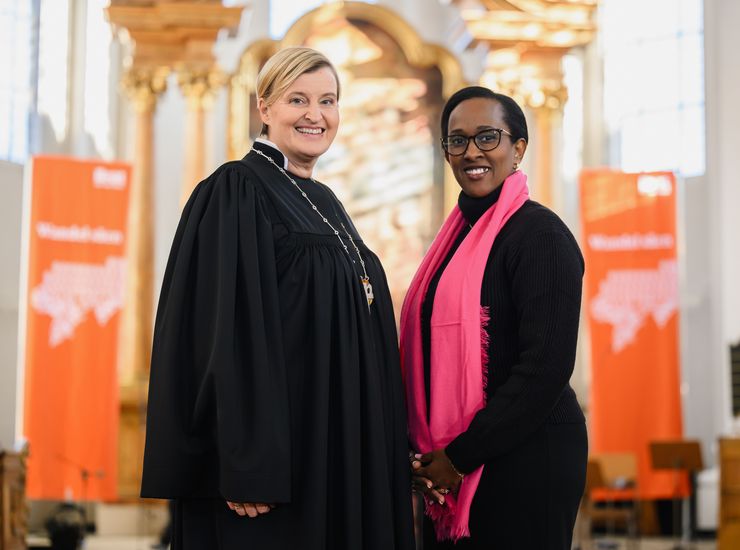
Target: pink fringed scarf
459, 344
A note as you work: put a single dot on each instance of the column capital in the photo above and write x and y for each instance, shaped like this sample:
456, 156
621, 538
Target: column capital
541, 23
532, 76
143, 85
542, 98
200, 85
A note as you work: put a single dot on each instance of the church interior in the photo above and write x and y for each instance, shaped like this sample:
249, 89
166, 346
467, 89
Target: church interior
162, 92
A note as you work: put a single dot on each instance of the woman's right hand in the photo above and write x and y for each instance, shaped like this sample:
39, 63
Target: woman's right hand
251, 509
423, 484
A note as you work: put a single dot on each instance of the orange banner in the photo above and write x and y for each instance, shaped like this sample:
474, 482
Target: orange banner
76, 235
629, 241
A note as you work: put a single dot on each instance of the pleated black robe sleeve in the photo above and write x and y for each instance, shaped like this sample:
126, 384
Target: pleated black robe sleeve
217, 416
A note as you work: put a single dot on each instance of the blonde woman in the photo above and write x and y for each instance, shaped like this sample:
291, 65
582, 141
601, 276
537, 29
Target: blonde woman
276, 412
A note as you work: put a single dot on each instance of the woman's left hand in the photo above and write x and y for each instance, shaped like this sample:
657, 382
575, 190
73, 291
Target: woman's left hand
251, 509
437, 467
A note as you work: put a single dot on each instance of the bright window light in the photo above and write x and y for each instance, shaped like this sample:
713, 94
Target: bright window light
654, 84
18, 32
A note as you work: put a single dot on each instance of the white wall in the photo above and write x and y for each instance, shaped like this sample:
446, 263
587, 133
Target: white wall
169, 145
11, 191
722, 215
723, 144
703, 377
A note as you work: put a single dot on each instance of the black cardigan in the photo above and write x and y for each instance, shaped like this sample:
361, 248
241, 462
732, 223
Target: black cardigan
532, 286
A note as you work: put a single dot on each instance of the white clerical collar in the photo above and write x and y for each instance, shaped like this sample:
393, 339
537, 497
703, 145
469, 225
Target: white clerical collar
271, 144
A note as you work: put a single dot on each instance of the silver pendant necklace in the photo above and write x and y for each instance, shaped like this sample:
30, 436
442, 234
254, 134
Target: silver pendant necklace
365, 279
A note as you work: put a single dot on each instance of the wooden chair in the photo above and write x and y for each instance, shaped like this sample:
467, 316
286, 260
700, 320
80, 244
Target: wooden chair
611, 478
680, 456
729, 494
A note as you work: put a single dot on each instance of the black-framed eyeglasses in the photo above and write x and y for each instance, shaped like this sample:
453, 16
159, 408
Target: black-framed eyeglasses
485, 140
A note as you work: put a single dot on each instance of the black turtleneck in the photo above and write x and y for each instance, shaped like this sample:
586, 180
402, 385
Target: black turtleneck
532, 288
474, 207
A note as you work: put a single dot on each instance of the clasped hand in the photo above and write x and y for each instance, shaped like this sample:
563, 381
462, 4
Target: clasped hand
251, 509
433, 475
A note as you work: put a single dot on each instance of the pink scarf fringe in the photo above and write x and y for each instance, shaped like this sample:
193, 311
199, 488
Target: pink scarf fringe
459, 358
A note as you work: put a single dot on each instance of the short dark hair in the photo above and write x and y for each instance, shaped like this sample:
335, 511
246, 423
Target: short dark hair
513, 114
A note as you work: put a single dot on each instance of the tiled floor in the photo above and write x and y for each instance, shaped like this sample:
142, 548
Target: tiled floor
118, 543
93, 542
644, 544
145, 543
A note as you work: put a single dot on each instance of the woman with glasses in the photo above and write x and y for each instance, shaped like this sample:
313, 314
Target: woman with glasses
488, 341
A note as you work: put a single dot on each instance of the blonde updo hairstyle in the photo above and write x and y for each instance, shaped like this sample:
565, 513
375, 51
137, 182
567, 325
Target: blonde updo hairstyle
284, 68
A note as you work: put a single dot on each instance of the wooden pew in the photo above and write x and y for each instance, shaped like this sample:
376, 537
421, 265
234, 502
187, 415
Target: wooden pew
13, 508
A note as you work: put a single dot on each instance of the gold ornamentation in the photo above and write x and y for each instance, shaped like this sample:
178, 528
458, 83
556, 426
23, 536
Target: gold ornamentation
540, 23
143, 85
417, 52
200, 86
527, 40
533, 77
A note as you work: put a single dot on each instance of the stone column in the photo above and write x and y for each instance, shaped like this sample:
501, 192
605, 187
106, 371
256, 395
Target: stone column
142, 85
547, 188
199, 86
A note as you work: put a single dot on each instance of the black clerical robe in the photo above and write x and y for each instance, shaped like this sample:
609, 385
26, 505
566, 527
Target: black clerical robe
272, 380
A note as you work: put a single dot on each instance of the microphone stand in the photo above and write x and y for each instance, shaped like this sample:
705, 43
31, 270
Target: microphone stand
85, 475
